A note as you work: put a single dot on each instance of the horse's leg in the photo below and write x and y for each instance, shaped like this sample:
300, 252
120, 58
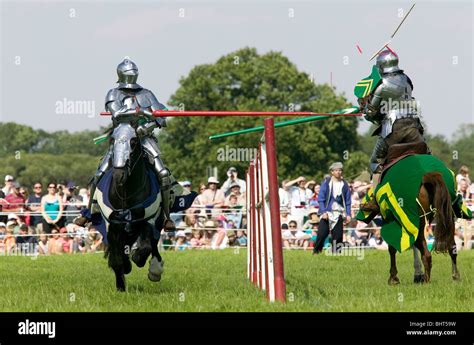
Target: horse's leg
454, 253
419, 276
420, 243
156, 263
393, 280
115, 257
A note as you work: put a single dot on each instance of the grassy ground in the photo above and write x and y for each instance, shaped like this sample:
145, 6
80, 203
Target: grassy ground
216, 281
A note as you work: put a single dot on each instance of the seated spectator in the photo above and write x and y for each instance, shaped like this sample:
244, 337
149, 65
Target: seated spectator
14, 221
234, 213
377, 241
52, 210
209, 233
241, 198
220, 241
54, 245
195, 241
288, 236
284, 216
10, 240
3, 230
212, 197
233, 242
65, 243
189, 234
43, 245
360, 237
181, 243
241, 238
463, 174
93, 240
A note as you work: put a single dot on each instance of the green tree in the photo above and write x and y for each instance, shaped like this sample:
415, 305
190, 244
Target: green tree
245, 80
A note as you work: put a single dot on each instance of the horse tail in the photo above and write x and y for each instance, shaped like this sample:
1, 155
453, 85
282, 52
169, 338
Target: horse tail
444, 215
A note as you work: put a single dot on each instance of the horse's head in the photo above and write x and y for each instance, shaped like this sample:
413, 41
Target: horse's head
126, 151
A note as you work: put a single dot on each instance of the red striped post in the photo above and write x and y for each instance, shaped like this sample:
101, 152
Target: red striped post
280, 288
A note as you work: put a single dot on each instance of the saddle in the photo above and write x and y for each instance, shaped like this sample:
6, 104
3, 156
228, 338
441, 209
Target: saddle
397, 152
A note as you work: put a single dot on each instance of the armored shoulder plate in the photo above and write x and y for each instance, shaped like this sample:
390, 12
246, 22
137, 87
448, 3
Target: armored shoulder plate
146, 99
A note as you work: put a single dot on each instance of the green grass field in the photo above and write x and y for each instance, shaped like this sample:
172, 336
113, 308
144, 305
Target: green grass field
216, 281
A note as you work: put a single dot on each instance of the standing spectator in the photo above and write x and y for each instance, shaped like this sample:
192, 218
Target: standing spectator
8, 185
464, 226
34, 203
232, 178
463, 174
284, 195
299, 198
84, 194
213, 197
15, 200
52, 210
73, 202
334, 206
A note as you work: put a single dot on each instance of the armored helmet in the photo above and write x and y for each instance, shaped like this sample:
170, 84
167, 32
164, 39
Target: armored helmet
127, 72
387, 62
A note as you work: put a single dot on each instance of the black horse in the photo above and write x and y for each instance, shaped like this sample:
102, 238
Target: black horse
130, 201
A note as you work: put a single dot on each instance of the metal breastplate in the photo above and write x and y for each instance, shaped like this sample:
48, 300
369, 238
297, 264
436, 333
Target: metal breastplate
397, 101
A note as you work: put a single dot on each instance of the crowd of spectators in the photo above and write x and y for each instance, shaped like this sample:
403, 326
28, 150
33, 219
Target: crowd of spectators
42, 222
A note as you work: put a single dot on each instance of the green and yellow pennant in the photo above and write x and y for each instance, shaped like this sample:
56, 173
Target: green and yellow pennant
364, 87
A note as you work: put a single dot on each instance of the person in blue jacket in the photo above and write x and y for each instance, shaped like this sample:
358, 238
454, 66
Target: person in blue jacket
334, 201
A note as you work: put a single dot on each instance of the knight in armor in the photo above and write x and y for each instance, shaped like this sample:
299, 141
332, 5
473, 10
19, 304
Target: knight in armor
126, 102
392, 107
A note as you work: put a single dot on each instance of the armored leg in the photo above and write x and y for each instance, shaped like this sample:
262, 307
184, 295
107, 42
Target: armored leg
164, 177
378, 156
103, 166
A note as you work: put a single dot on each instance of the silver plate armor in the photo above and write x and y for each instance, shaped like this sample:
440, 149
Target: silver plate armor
122, 135
392, 100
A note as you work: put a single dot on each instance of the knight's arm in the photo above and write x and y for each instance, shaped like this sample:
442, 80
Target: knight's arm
115, 107
372, 107
155, 105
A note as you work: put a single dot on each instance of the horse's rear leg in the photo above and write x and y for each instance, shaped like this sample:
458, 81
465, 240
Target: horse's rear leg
419, 275
420, 243
454, 253
393, 280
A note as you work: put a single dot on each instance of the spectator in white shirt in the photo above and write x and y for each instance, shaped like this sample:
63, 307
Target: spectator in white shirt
232, 179
299, 198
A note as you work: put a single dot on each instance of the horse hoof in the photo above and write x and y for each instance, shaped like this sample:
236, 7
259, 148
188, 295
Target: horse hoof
141, 250
156, 269
393, 281
456, 277
419, 278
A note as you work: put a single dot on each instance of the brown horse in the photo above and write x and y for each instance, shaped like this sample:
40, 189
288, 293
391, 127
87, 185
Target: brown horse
434, 204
